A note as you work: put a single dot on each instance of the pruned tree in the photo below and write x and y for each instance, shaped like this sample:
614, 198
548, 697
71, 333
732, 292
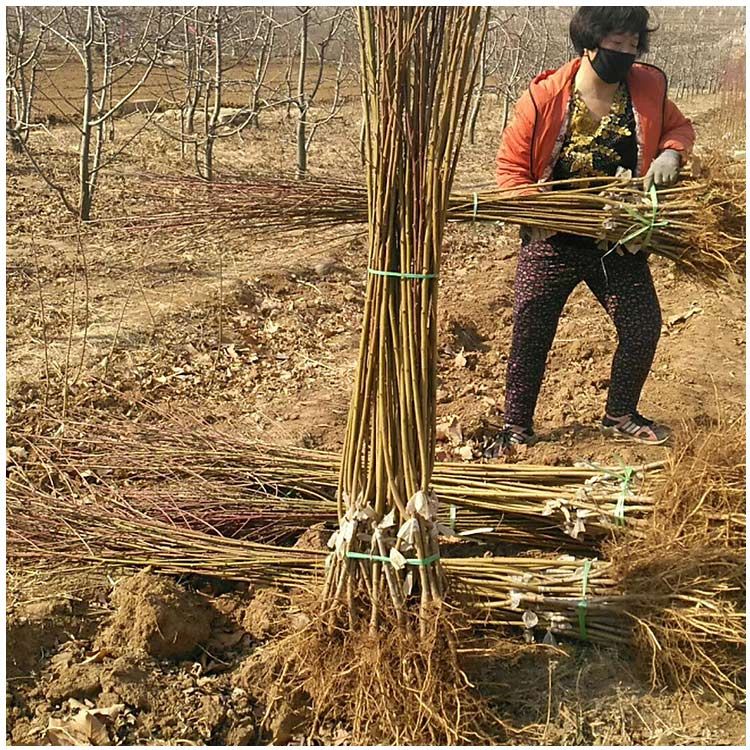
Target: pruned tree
521, 42
314, 67
111, 78
24, 47
489, 63
212, 43
261, 53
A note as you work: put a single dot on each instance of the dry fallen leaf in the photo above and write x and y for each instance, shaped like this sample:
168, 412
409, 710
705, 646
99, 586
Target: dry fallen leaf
450, 429
466, 452
62, 659
98, 656
86, 727
530, 619
442, 396
229, 640
460, 360
694, 309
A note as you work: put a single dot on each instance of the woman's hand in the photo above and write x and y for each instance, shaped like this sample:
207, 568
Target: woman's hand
663, 170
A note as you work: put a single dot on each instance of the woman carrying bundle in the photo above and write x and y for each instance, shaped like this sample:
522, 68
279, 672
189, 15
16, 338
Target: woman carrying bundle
597, 115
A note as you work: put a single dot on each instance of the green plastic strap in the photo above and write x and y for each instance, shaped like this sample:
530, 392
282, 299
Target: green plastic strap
380, 558
583, 603
625, 479
400, 275
654, 208
647, 224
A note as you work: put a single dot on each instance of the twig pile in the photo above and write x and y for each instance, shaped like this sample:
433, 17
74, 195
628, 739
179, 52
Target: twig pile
698, 224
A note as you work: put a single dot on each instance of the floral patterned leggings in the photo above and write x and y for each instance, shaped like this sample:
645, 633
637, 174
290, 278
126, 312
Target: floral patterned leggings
547, 272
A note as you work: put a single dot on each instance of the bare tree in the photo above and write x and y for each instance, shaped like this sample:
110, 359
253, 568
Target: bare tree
110, 82
488, 66
304, 97
262, 46
516, 44
24, 48
212, 43
521, 42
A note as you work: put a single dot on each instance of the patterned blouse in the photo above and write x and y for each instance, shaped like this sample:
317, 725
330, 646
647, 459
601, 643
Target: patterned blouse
594, 148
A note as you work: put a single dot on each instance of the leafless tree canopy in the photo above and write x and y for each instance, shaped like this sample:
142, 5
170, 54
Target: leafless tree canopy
179, 68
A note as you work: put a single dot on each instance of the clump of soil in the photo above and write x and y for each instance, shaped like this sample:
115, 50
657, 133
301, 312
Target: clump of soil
315, 538
156, 616
34, 631
263, 615
79, 681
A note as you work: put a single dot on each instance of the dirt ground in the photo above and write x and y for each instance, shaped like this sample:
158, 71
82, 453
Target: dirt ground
262, 336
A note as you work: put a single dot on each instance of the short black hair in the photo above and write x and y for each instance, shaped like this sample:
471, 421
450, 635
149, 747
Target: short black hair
590, 24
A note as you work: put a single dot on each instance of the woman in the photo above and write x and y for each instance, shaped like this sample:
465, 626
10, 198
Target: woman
597, 114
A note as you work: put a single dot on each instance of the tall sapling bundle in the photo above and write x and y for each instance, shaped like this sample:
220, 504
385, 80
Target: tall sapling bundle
417, 73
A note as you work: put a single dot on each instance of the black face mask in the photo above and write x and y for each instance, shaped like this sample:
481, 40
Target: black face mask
610, 65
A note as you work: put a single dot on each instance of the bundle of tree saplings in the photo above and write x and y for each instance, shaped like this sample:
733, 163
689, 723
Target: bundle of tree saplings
569, 508
679, 603
698, 224
383, 583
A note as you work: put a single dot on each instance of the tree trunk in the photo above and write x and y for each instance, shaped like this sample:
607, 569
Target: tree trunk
301, 100
479, 87
506, 110
254, 121
84, 171
213, 122
362, 141
193, 84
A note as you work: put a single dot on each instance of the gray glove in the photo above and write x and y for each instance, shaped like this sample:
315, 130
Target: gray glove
663, 170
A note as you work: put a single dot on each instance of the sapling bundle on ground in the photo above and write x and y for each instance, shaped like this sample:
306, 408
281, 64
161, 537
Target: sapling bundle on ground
64, 526
681, 608
240, 485
699, 223
693, 556
99, 526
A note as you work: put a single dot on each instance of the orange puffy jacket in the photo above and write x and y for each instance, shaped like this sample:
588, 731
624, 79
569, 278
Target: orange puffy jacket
532, 141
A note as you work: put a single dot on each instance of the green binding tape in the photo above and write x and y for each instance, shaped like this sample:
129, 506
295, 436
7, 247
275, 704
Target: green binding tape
647, 224
400, 275
626, 477
583, 603
380, 558
625, 493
